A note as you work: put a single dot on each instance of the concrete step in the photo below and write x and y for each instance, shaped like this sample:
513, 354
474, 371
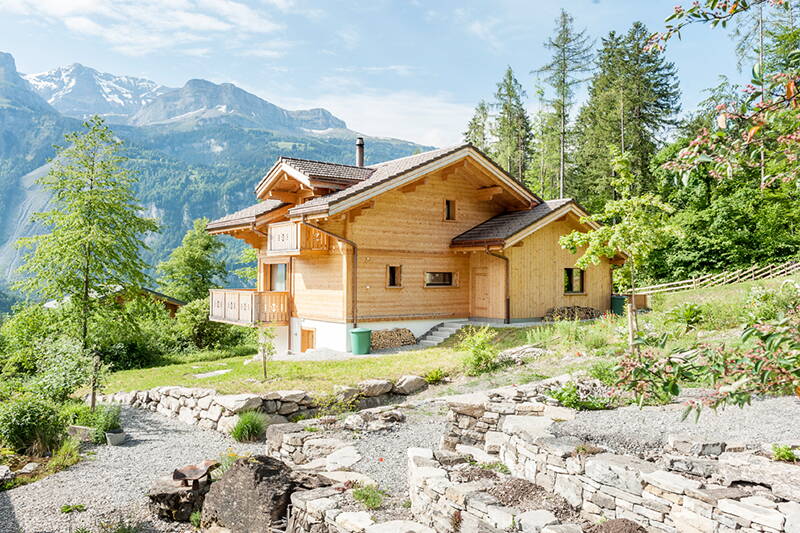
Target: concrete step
448, 330
427, 342
436, 336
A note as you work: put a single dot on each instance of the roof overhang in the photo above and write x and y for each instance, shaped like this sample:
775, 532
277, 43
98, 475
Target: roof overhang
246, 223
565, 209
467, 151
278, 170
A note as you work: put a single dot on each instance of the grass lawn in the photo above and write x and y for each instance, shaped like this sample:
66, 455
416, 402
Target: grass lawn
313, 376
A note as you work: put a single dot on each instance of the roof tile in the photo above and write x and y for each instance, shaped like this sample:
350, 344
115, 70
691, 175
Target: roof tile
505, 225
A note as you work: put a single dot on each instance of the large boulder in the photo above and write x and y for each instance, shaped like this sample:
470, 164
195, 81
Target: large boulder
409, 385
251, 497
236, 403
173, 500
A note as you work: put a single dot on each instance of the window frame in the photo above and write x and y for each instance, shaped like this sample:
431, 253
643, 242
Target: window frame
453, 280
398, 277
270, 279
449, 211
569, 281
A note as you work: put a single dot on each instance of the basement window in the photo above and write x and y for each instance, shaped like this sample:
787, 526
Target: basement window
573, 281
439, 279
394, 278
449, 209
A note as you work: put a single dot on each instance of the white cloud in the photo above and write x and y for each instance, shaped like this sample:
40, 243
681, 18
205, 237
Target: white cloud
143, 26
431, 119
486, 30
348, 37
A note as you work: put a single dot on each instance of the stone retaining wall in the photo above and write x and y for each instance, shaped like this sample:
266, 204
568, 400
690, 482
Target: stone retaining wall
207, 409
694, 487
319, 511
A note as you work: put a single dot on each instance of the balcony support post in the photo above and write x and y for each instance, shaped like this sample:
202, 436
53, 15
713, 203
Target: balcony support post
353, 278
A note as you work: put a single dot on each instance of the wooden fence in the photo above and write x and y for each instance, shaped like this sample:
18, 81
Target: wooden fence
724, 278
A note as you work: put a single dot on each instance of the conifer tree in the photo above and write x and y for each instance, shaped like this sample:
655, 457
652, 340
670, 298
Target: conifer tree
478, 128
571, 60
91, 251
511, 128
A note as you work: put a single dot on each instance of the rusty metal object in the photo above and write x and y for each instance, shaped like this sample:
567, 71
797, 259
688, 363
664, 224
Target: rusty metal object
194, 473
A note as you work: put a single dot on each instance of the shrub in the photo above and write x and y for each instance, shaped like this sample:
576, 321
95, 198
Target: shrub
30, 424
334, 404
61, 369
569, 396
75, 412
605, 371
765, 304
22, 333
482, 356
687, 314
195, 519
67, 454
540, 336
435, 376
194, 329
250, 426
370, 496
783, 453
496, 466
595, 339
105, 418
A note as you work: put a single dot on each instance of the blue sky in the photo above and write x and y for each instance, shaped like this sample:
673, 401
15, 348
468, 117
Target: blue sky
407, 69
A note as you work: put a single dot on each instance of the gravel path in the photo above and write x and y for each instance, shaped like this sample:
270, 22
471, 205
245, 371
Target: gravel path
113, 482
384, 456
641, 430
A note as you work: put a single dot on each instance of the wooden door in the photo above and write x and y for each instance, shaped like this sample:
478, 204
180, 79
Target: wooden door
480, 292
307, 339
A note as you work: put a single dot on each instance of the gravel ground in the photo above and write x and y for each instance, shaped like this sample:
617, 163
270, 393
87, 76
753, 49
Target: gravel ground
641, 431
384, 456
113, 482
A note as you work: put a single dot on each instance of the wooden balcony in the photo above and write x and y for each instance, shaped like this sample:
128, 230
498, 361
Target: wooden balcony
292, 238
248, 307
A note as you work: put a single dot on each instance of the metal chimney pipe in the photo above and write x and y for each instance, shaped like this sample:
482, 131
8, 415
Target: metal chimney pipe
360, 152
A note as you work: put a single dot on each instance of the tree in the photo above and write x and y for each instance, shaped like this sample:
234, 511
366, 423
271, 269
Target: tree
478, 128
91, 251
633, 226
512, 128
193, 267
249, 272
633, 100
572, 57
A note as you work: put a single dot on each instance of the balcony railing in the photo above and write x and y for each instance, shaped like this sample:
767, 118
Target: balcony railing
288, 238
248, 307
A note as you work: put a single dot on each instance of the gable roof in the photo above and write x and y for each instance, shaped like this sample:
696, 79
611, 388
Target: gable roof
247, 215
388, 170
324, 170
505, 225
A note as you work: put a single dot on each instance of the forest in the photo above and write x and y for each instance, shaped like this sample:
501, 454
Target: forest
727, 181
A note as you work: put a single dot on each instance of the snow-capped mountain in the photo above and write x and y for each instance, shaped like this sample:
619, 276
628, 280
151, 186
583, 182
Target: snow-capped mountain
79, 91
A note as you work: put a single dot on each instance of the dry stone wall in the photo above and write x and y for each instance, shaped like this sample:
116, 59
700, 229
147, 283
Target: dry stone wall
693, 487
207, 409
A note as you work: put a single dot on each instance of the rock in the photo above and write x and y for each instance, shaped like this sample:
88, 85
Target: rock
172, 501
250, 497
472, 404
619, 471
783, 478
313, 448
291, 396
344, 393
569, 488
354, 522
399, 526
236, 403
29, 468
375, 387
527, 427
521, 354
375, 419
792, 512
409, 385
187, 416
5, 474
227, 423
82, 433
340, 476
692, 446
342, 459
754, 513
275, 433
563, 528
671, 482
535, 521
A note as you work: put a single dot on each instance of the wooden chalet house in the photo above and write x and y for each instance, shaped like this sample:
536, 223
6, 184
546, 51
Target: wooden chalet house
440, 236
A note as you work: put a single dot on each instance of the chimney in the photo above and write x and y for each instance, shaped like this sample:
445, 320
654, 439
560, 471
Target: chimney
360, 152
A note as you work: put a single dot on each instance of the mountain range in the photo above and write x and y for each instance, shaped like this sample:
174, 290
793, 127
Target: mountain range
198, 150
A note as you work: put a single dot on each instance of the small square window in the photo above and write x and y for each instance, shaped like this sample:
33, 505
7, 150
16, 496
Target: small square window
449, 209
573, 281
439, 279
394, 276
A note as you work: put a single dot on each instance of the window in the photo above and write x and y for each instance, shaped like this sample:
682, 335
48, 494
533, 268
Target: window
394, 277
573, 280
277, 277
438, 279
449, 209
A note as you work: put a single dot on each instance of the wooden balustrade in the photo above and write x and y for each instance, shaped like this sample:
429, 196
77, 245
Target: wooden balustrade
248, 307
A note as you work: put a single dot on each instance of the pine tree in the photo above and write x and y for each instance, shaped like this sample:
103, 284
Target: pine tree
511, 128
91, 251
572, 58
542, 175
633, 100
478, 128
194, 267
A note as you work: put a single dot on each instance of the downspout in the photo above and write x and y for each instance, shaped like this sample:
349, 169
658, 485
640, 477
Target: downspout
354, 278
507, 319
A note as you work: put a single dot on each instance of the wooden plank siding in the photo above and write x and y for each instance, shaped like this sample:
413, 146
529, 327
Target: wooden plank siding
537, 274
488, 281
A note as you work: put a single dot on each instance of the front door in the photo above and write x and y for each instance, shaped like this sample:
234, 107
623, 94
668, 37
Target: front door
480, 292
307, 339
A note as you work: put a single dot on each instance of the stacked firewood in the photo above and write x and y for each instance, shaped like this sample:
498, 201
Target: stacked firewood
392, 338
572, 312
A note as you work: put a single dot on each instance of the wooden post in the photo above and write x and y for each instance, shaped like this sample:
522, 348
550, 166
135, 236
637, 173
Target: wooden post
631, 324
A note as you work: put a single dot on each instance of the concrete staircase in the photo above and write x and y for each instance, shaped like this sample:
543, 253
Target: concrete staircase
441, 333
